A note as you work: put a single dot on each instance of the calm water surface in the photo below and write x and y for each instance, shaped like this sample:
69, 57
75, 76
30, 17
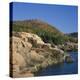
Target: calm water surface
60, 69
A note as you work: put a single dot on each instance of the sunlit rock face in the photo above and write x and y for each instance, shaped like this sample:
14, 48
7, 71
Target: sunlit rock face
30, 53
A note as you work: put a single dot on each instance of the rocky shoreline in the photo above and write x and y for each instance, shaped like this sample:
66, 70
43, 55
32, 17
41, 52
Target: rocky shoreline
30, 54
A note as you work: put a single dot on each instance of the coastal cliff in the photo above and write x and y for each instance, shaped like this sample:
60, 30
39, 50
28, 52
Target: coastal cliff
30, 53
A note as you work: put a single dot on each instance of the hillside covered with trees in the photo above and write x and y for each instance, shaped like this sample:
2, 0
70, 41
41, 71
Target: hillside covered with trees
47, 32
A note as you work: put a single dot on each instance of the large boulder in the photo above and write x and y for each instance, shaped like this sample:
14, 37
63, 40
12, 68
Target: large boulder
68, 59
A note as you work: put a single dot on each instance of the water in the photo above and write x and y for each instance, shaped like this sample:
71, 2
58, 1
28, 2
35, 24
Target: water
61, 69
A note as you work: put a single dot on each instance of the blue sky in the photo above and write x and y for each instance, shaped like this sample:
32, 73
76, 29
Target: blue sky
64, 18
